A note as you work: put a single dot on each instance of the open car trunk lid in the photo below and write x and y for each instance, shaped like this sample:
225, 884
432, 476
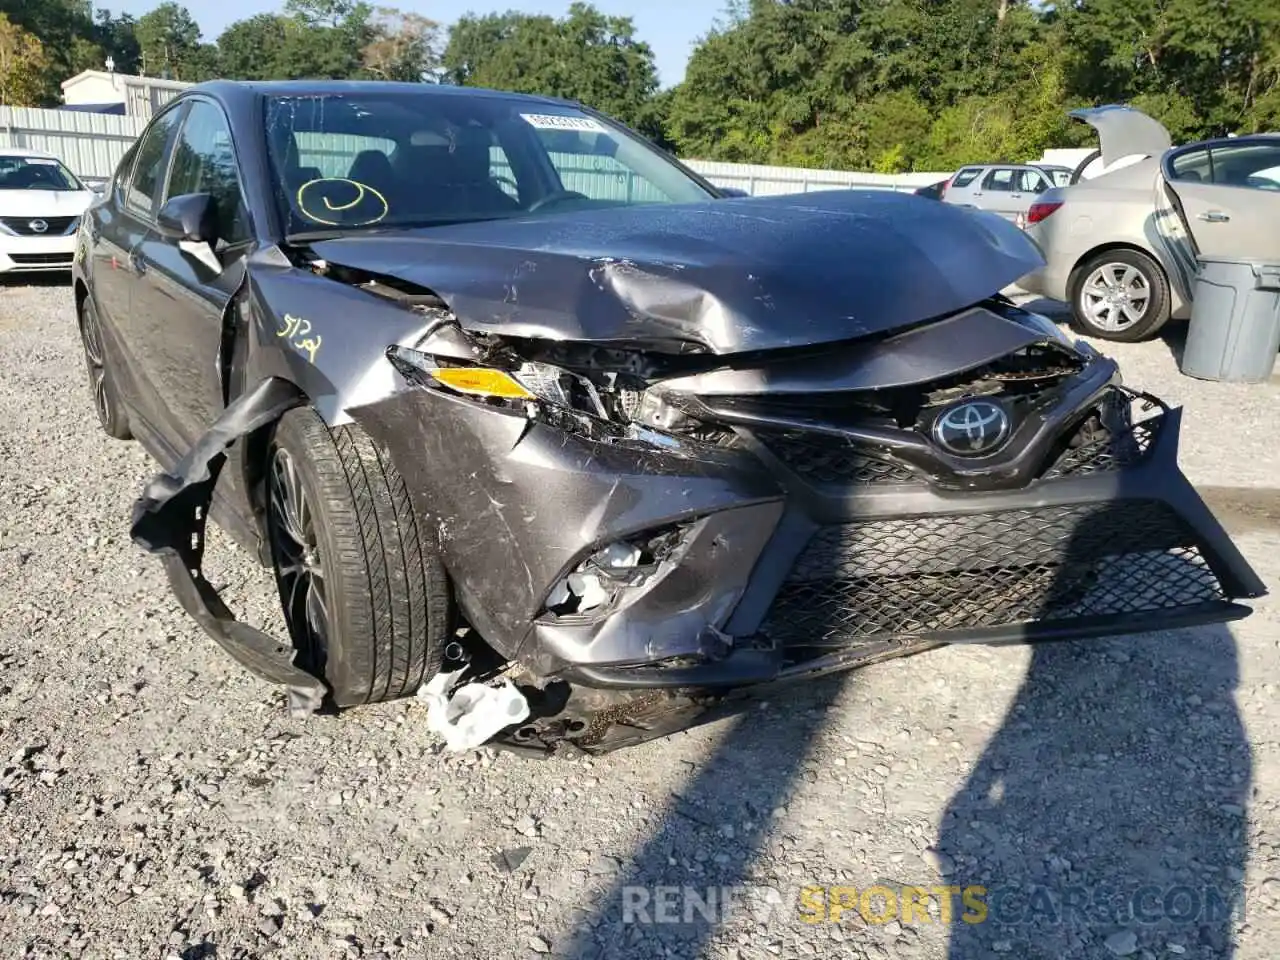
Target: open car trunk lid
1124, 132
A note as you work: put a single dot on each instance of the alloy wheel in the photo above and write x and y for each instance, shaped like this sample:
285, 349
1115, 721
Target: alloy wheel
95, 360
1115, 296
296, 552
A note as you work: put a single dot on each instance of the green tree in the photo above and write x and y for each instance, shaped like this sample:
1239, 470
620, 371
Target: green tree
22, 65
585, 56
403, 46
169, 44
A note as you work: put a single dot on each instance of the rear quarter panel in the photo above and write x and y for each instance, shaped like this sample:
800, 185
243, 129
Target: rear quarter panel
1115, 210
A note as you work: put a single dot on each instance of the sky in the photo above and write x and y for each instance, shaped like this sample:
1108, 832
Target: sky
671, 27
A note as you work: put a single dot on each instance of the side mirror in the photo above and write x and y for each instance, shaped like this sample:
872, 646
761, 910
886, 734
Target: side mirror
187, 217
732, 192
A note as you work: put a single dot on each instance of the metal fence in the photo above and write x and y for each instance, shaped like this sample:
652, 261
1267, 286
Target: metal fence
92, 144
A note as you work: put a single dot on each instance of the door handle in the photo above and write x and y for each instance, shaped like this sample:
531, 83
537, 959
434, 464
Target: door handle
1214, 216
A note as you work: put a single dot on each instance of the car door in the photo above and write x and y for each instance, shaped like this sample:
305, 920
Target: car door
999, 192
1228, 194
959, 189
187, 287
121, 224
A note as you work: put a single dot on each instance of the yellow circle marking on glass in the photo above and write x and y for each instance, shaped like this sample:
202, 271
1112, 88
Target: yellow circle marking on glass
362, 190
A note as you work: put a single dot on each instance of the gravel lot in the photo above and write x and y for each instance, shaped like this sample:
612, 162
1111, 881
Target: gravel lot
156, 801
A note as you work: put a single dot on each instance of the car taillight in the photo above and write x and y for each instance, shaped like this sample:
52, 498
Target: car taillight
1038, 211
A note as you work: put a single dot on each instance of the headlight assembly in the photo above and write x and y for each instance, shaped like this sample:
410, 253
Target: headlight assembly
551, 394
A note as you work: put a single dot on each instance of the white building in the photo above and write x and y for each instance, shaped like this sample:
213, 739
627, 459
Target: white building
97, 91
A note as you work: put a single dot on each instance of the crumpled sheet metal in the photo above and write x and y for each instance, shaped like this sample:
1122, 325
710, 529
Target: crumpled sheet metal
472, 714
726, 277
169, 520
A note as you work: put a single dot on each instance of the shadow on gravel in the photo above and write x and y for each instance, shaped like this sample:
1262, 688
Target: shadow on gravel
1109, 805
54, 278
754, 770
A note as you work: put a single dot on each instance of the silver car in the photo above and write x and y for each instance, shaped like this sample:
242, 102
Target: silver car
1121, 248
1008, 189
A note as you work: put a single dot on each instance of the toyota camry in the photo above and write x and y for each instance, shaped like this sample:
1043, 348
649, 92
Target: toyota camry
501, 391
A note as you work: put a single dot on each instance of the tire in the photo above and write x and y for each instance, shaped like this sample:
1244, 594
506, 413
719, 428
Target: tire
1140, 285
384, 609
112, 414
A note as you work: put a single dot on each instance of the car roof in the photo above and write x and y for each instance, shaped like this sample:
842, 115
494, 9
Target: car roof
302, 88
25, 152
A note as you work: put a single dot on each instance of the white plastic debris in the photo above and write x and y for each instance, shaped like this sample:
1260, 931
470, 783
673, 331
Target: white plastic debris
473, 713
618, 555
587, 586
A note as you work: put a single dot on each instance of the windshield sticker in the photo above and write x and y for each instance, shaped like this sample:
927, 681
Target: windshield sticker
555, 121
338, 202
43, 161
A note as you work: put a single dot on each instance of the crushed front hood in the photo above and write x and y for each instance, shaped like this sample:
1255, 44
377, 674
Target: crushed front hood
726, 276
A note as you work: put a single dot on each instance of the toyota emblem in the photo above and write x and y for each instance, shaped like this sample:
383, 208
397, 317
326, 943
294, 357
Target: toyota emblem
971, 428
38, 226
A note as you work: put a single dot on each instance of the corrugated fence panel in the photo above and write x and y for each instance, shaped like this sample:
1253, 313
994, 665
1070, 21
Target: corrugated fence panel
92, 144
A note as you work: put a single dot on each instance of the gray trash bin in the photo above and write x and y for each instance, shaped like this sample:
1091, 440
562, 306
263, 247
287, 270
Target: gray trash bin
1235, 321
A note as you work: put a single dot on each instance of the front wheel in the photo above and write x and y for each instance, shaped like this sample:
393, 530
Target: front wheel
1120, 295
364, 592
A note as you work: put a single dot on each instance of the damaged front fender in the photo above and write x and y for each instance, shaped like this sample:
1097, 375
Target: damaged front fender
170, 518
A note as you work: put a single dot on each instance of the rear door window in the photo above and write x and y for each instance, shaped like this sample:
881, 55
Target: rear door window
153, 155
1032, 181
1255, 166
999, 180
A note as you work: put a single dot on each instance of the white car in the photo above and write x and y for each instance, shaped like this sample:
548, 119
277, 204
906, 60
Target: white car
40, 206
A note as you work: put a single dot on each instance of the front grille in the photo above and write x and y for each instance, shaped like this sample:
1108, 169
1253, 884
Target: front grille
42, 259
54, 226
826, 459
910, 576
1110, 439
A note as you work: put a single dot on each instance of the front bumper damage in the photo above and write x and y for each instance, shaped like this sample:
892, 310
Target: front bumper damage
798, 559
809, 525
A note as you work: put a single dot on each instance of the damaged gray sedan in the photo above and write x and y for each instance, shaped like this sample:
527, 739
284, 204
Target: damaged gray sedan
494, 386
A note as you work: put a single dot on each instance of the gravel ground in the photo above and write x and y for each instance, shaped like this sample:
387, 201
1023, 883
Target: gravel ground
156, 801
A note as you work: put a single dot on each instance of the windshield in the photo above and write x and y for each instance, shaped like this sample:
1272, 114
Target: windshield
36, 173
416, 159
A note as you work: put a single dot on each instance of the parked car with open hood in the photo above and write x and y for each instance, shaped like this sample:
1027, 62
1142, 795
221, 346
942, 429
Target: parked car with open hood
40, 206
1121, 248
494, 385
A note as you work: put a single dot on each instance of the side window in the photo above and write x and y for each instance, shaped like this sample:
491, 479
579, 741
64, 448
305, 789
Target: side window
965, 177
1031, 181
120, 179
1252, 165
999, 180
148, 172
203, 162
1193, 166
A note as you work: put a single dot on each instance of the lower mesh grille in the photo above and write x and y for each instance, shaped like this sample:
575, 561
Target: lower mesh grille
1100, 450
906, 576
826, 459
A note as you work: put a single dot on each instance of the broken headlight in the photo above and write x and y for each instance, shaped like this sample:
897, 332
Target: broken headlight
609, 411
